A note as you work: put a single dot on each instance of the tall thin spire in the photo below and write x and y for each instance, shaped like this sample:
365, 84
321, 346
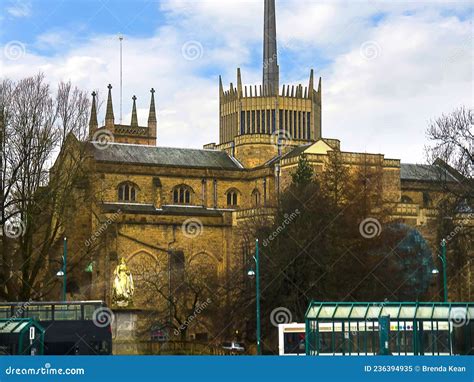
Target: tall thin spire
152, 113
271, 75
152, 119
221, 88
93, 124
134, 121
239, 83
311, 83
109, 114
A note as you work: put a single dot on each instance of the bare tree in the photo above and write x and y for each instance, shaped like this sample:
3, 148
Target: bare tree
184, 296
452, 140
73, 111
35, 128
452, 149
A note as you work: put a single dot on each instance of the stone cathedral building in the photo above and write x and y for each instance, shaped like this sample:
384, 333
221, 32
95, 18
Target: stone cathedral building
159, 207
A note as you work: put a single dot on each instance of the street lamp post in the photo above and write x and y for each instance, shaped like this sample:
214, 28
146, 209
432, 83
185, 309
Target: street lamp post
257, 293
64, 267
443, 260
256, 274
435, 271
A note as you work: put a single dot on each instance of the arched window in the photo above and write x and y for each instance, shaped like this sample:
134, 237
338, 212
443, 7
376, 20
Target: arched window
232, 198
406, 199
127, 192
182, 195
256, 198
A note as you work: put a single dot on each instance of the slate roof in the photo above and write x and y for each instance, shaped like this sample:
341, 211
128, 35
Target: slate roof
423, 172
164, 156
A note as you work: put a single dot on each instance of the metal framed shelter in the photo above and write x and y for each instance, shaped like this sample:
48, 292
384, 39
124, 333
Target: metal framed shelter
21, 336
342, 328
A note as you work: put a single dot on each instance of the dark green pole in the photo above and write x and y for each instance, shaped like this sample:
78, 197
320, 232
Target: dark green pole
443, 260
64, 268
384, 335
257, 282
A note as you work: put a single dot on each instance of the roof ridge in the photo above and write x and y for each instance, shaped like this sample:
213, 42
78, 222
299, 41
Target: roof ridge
165, 147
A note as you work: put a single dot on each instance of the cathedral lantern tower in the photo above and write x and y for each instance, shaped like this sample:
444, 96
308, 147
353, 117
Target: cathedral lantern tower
255, 119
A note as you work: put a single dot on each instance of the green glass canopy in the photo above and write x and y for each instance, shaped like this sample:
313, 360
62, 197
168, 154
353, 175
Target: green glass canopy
348, 311
15, 336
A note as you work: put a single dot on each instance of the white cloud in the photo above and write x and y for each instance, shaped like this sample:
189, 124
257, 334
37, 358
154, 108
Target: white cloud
19, 9
382, 105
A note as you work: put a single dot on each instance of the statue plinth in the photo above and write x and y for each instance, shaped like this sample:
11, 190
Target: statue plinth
124, 330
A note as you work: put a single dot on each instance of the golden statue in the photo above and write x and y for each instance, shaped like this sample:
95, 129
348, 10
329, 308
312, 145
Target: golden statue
123, 285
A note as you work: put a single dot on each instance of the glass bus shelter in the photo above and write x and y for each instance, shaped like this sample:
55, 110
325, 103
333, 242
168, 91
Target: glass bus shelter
21, 336
412, 328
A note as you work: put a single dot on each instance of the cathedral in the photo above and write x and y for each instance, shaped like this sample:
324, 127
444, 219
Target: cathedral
161, 209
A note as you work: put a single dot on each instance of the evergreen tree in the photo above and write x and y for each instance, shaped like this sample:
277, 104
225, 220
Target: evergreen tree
304, 172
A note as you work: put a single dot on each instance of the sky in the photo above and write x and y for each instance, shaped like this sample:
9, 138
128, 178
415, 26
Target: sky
388, 67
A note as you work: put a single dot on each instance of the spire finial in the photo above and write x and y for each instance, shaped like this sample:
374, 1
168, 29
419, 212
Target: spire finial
93, 124
134, 112
271, 75
109, 114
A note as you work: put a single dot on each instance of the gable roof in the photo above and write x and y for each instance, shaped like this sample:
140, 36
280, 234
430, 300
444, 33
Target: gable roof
425, 172
297, 151
163, 156
318, 147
